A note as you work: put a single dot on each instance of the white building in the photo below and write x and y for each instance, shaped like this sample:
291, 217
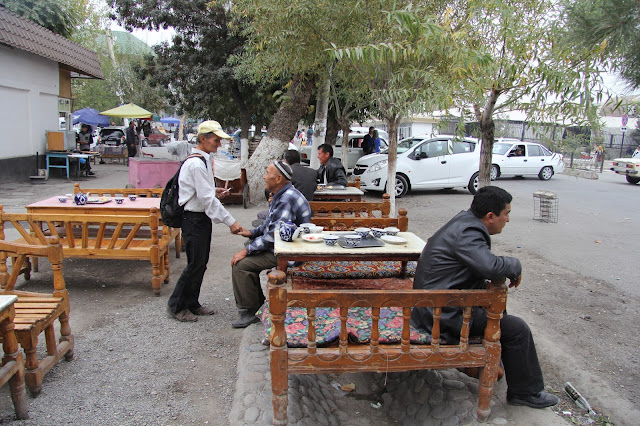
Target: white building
36, 68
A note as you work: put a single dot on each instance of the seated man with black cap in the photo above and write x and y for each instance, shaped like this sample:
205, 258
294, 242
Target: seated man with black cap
288, 204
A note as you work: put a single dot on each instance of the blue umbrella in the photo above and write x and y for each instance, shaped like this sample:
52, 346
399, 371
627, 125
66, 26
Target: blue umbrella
170, 120
89, 116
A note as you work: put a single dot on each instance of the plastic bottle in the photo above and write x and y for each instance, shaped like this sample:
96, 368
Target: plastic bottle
577, 398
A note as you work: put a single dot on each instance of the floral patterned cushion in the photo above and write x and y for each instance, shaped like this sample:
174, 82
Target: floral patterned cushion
328, 326
350, 269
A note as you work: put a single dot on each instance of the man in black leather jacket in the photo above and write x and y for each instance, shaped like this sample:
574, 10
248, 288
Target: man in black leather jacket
331, 171
459, 256
303, 178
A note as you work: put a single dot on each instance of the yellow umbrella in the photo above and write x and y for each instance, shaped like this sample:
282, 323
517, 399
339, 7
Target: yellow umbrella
127, 111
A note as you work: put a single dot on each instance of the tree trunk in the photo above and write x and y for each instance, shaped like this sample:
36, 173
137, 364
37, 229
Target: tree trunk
487, 127
283, 125
332, 130
245, 120
392, 126
320, 124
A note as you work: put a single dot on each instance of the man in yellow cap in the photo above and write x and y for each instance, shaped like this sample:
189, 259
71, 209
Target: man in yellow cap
199, 196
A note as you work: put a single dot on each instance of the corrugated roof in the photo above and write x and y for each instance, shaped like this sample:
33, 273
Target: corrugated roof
31, 37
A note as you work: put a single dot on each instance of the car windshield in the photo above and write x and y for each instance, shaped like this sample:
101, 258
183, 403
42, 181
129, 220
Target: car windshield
501, 148
114, 133
404, 145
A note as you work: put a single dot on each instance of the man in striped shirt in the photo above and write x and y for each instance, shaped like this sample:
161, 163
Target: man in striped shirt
288, 204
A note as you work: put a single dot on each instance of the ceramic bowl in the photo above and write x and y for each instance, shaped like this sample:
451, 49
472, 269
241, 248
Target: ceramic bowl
62, 199
330, 240
132, 197
70, 196
378, 232
306, 227
352, 240
363, 232
392, 230
119, 200
315, 229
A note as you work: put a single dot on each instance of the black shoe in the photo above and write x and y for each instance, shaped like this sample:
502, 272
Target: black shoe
245, 320
91, 174
536, 400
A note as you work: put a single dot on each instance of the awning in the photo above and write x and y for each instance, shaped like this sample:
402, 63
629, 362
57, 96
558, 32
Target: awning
128, 111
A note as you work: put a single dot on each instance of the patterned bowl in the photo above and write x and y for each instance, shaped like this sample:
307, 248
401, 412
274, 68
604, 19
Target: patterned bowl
378, 232
392, 230
363, 232
119, 200
330, 240
352, 240
62, 199
132, 197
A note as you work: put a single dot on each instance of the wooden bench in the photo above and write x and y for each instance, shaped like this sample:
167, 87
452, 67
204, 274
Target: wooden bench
37, 312
348, 215
349, 357
119, 152
94, 236
12, 370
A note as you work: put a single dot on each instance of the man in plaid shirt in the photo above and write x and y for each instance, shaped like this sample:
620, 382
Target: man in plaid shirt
288, 204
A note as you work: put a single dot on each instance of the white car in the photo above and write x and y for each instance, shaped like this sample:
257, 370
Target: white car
424, 162
630, 167
354, 151
512, 157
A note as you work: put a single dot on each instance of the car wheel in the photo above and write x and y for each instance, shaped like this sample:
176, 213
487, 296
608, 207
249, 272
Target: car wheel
402, 186
633, 180
495, 172
473, 183
145, 143
545, 173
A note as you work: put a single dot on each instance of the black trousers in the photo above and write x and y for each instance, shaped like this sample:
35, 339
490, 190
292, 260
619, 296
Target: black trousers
196, 234
519, 357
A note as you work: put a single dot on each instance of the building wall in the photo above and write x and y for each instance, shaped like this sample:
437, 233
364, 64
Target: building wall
29, 88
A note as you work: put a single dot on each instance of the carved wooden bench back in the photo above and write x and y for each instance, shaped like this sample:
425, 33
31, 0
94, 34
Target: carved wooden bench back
351, 357
342, 209
119, 192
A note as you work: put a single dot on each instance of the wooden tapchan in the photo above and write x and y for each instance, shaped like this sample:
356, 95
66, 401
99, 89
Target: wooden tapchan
37, 312
348, 215
12, 369
349, 357
94, 236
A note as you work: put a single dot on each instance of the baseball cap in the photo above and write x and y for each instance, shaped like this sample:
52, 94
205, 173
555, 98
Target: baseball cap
211, 126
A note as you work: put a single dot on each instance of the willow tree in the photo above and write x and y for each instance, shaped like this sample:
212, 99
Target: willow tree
412, 64
531, 69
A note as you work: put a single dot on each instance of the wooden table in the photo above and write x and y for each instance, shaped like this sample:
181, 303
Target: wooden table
349, 193
66, 156
140, 207
301, 250
12, 370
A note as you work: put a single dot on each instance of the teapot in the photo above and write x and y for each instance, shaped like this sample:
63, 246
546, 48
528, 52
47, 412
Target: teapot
287, 230
80, 199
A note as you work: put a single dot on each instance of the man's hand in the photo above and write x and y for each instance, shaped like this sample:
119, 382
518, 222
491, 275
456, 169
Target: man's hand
222, 192
515, 282
245, 232
236, 228
238, 256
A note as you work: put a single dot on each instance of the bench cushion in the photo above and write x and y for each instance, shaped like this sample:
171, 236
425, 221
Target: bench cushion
328, 326
353, 283
350, 269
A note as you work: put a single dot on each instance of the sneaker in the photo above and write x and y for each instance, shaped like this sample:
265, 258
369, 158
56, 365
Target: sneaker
91, 174
536, 400
183, 316
245, 320
203, 310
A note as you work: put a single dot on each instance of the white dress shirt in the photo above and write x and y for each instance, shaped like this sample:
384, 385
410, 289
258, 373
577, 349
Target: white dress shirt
197, 191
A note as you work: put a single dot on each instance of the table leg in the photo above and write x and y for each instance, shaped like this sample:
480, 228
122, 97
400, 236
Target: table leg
403, 269
282, 265
13, 354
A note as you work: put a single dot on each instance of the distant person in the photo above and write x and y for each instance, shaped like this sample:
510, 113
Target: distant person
132, 139
199, 196
310, 136
331, 170
376, 142
146, 128
636, 153
367, 146
458, 257
84, 139
303, 178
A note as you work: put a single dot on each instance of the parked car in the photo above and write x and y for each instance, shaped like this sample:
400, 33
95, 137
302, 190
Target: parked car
354, 150
630, 167
156, 137
512, 157
112, 135
424, 162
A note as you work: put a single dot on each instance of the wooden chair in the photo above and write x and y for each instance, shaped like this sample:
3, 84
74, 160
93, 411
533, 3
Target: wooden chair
37, 312
12, 370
